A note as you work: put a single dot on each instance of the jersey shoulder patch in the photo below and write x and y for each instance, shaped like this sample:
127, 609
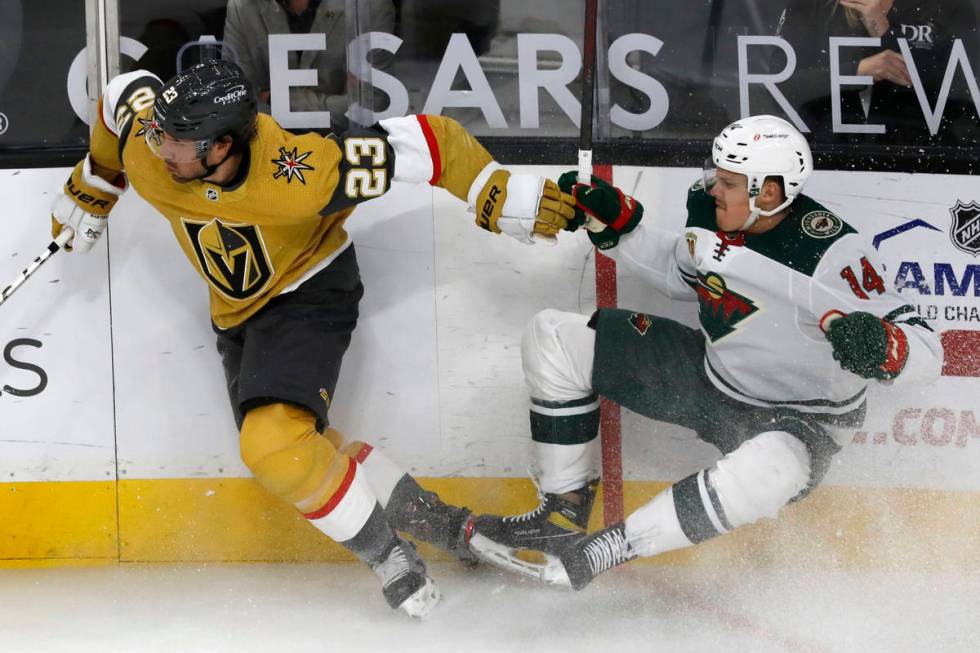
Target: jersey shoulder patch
125, 96
803, 237
292, 167
701, 207
821, 224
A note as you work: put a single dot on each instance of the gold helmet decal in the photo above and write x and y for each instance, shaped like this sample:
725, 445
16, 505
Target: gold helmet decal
231, 256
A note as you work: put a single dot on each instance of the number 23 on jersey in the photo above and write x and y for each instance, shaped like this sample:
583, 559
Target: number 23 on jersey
367, 176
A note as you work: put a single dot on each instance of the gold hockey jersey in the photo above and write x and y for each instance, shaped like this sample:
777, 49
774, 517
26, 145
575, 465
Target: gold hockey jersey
285, 220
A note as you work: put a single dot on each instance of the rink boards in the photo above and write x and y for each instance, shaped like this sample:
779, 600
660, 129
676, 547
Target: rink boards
117, 441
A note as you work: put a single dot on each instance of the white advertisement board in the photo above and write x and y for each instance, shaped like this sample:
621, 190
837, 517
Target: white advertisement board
128, 362
56, 385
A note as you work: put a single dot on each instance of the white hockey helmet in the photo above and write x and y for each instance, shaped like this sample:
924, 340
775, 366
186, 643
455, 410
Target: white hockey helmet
760, 147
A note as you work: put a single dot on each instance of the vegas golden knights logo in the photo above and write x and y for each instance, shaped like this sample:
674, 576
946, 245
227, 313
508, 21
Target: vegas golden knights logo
232, 257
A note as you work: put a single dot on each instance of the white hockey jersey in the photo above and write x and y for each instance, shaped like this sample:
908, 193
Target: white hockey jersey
762, 299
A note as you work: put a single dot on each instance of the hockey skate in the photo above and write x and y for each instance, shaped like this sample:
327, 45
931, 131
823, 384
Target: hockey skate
404, 582
580, 562
548, 530
593, 555
424, 516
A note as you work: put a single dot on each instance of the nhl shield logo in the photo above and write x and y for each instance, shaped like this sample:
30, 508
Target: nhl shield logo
965, 230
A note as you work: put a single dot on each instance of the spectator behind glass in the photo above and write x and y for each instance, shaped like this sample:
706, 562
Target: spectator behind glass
249, 23
427, 25
930, 28
688, 64
808, 25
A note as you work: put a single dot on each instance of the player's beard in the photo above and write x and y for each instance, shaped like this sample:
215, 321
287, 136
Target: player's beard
183, 179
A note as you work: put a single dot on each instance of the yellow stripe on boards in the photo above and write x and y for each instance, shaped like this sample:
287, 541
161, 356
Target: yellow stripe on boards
63, 520
234, 519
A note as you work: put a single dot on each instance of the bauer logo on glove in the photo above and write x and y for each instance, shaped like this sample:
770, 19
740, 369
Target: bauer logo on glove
84, 205
526, 207
604, 210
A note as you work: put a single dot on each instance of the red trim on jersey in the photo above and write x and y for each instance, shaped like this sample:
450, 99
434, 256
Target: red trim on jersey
828, 317
430, 140
898, 349
468, 532
338, 496
363, 453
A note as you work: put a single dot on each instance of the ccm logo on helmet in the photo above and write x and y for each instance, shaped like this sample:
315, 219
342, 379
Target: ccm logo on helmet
234, 95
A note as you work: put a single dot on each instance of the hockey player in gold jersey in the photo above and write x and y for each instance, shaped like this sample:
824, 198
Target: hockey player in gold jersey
259, 212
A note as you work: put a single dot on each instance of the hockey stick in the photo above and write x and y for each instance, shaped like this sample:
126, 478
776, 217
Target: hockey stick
56, 244
610, 420
588, 93
587, 105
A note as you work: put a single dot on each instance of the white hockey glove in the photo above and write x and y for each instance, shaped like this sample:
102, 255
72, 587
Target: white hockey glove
528, 208
84, 204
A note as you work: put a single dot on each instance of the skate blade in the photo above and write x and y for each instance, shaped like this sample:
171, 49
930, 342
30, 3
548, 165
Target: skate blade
550, 571
420, 604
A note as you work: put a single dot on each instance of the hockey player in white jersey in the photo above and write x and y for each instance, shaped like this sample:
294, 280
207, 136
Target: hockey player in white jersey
795, 322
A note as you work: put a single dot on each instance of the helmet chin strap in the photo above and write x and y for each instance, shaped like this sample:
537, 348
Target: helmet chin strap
755, 212
210, 170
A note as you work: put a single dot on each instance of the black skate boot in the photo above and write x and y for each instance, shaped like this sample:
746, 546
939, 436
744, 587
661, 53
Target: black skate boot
403, 579
423, 515
558, 522
592, 555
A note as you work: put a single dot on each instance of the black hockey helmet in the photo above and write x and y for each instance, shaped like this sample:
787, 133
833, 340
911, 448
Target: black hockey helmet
207, 101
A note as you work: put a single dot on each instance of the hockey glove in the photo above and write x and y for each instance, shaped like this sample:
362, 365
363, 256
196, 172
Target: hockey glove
84, 205
866, 345
602, 209
525, 207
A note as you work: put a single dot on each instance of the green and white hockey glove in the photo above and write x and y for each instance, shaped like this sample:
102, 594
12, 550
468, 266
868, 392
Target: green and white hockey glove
868, 346
604, 210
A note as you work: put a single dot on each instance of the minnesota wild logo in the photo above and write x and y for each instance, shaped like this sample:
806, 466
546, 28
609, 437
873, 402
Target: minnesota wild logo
721, 309
641, 323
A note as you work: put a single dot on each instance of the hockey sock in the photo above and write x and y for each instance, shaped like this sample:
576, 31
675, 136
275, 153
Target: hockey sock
686, 513
290, 459
564, 436
382, 473
373, 540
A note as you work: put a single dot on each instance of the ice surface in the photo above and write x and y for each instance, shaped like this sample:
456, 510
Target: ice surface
338, 607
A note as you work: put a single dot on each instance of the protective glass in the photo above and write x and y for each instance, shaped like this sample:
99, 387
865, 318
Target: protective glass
709, 173
174, 150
